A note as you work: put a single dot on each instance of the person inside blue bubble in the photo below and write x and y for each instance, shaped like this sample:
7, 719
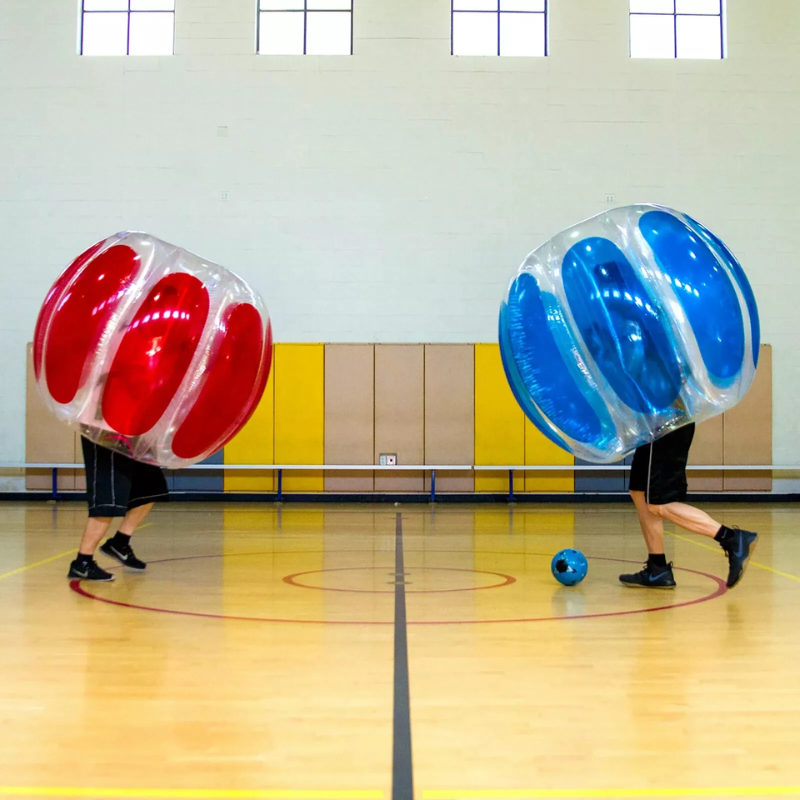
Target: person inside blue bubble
619, 334
658, 487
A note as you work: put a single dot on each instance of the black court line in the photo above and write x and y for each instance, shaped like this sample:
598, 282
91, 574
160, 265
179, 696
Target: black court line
402, 772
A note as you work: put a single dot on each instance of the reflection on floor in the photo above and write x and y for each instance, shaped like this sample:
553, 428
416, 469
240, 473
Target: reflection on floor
255, 656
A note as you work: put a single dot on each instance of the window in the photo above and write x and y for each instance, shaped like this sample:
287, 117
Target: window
499, 28
128, 27
305, 27
677, 29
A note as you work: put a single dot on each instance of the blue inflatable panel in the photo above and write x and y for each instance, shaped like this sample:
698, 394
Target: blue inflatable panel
704, 288
623, 330
741, 281
539, 368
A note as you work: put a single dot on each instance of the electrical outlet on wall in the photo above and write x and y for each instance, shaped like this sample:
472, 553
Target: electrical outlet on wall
388, 459
611, 198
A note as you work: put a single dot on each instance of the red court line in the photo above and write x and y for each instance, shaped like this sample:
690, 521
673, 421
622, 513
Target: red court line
720, 590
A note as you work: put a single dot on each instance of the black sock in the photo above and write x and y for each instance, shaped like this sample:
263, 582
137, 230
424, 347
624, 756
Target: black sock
724, 535
83, 559
121, 539
657, 560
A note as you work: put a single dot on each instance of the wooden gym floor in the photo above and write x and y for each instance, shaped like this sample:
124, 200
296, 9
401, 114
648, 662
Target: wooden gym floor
263, 655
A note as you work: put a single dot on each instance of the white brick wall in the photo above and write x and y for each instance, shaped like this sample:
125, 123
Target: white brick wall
389, 196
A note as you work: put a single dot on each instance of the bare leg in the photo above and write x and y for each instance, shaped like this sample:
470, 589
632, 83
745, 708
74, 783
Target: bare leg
652, 525
688, 517
738, 545
96, 529
134, 518
657, 573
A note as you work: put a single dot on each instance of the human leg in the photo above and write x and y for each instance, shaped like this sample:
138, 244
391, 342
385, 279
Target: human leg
147, 484
657, 573
659, 488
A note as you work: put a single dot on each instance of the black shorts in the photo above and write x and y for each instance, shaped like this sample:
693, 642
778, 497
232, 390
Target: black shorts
659, 468
115, 484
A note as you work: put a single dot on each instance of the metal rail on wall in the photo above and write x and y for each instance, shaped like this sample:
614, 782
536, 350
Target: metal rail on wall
280, 468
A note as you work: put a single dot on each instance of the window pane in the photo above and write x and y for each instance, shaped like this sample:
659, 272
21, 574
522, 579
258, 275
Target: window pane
474, 5
281, 33
652, 6
339, 5
105, 34
474, 34
522, 34
105, 5
522, 5
152, 34
152, 5
699, 37
652, 36
328, 33
282, 5
698, 7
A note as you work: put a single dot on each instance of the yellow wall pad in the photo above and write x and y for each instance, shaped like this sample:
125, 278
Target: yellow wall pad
300, 413
499, 422
254, 444
539, 450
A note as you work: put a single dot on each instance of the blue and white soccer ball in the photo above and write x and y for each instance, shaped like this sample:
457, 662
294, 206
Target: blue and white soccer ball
569, 566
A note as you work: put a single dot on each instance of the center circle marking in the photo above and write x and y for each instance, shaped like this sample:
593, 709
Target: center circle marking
719, 590
294, 580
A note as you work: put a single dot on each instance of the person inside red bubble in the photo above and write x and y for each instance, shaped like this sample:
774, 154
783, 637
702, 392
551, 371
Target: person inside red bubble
116, 486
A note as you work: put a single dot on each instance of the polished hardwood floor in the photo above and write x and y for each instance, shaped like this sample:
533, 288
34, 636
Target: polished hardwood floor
256, 657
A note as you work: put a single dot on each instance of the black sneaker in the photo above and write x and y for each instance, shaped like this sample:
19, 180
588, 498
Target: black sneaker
650, 578
739, 550
124, 554
88, 571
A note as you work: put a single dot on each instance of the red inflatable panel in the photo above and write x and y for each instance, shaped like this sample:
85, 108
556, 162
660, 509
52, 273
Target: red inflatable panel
224, 399
155, 354
51, 301
80, 317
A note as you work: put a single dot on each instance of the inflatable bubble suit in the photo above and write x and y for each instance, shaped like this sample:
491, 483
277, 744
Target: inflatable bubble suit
151, 351
625, 327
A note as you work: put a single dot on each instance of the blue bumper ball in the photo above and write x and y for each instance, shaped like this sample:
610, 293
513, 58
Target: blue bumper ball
625, 327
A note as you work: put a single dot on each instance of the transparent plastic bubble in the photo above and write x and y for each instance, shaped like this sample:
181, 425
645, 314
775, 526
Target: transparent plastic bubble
625, 327
151, 351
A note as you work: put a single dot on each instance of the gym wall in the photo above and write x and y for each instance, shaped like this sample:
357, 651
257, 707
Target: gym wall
425, 403
390, 195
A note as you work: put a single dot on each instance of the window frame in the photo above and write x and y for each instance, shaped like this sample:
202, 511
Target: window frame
499, 14
128, 12
305, 11
675, 14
